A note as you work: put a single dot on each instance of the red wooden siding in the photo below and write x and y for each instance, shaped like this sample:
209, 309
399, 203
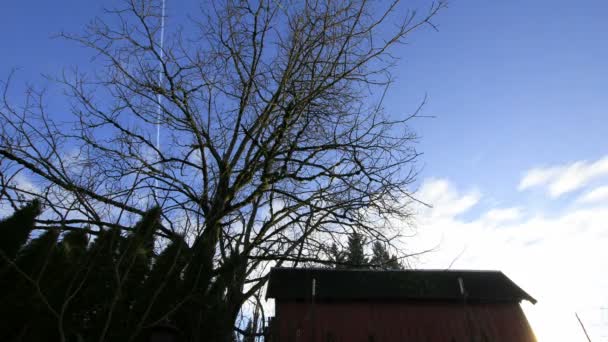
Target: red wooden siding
367, 321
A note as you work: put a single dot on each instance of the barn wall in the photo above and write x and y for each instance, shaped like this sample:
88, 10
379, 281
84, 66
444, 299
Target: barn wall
394, 321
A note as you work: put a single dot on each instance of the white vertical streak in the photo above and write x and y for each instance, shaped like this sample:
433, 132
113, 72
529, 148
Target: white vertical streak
461, 283
160, 80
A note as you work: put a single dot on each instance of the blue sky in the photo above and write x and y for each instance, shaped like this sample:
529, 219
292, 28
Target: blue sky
507, 81
514, 154
513, 84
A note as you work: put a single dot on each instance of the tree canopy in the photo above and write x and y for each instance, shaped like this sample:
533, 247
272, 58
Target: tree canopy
354, 255
273, 140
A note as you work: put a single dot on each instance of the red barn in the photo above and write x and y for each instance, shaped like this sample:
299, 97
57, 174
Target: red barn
328, 305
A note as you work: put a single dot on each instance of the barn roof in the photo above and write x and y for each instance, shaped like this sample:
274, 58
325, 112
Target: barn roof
443, 285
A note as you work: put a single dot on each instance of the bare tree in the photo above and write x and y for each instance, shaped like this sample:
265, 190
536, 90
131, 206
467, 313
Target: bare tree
274, 139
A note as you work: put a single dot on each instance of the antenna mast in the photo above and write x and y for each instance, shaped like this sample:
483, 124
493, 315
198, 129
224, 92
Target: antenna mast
160, 82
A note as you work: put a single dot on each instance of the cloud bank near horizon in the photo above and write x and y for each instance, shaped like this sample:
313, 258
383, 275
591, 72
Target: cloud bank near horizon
558, 258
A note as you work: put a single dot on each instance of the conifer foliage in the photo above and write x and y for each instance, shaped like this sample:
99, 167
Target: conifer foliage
16, 229
71, 287
382, 259
113, 286
354, 255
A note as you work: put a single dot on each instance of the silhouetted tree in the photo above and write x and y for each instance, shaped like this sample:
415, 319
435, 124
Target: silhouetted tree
17, 286
336, 256
355, 254
101, 289
381, 258
272, 141
69, 269
61, 288
162, 290
26, 307
134, 265
15, 230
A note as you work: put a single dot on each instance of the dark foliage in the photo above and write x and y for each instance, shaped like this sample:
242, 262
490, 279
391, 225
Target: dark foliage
16, 228
65, 288
382, 259
354, 255
336, 256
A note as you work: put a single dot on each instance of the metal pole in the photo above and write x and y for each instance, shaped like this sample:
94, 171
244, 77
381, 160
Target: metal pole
582, 326
160, 81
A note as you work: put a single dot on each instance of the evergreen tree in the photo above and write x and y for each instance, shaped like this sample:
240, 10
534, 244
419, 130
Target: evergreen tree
123, 263
101, 283
34, 257
16, 229
381, 259
28, 311
135, 261
68, 266
336, 256
355, 256
163, 285
109, 278
14, 289
117, 279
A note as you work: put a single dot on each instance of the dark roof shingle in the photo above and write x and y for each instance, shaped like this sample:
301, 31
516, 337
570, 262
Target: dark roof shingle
332, 284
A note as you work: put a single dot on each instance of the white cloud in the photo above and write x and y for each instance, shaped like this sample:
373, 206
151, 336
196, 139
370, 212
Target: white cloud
445, 199
495, 216
24, 183
561, 179
594, 196
557, 259
537, 177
